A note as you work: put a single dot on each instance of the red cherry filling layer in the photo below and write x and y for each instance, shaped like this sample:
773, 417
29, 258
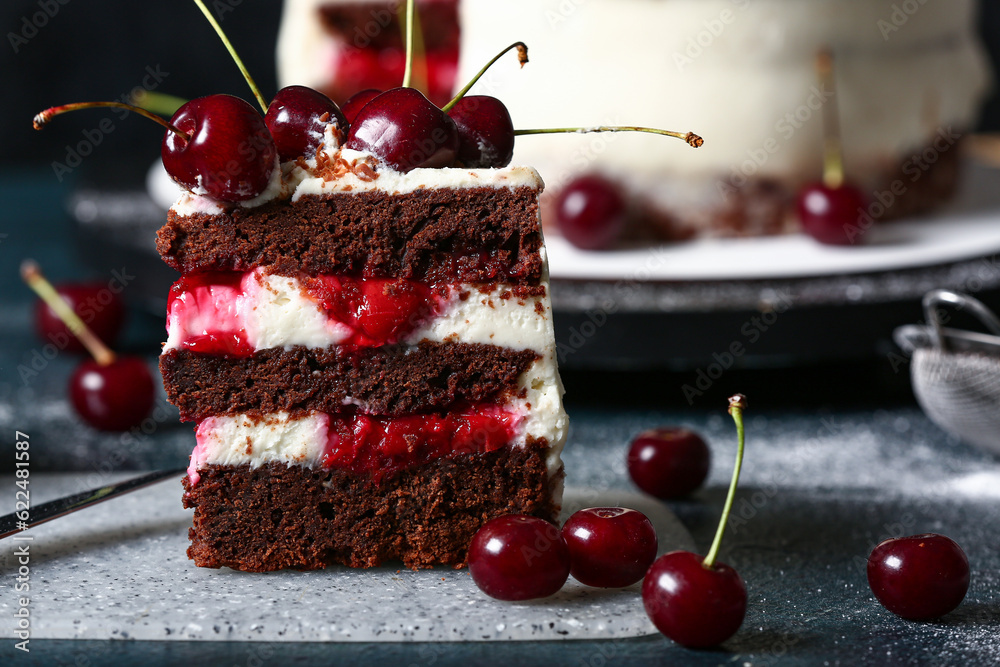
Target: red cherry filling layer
210, 312
380, 445
379, 311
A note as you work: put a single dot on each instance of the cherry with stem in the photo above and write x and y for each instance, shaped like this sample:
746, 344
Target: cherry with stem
700, 602
828, 210
110, 392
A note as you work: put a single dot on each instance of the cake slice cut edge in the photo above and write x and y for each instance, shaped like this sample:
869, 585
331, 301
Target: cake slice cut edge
328, 435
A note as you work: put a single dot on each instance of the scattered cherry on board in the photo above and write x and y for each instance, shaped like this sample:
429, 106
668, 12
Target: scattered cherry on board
518, 557
609, 547
700, 602
921, 577
668, 462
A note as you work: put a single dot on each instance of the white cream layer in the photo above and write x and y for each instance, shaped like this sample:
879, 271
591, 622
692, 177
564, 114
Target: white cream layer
275, 311
240, 439
302, 440
293, 181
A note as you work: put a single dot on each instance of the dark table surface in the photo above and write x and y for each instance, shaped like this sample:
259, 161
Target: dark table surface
838, 458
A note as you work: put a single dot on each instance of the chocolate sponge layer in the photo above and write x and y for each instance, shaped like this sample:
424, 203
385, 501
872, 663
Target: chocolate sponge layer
278, 516
479, 235
430, 377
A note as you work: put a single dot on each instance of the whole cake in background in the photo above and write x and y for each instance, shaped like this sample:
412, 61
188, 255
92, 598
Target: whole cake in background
370, 360
909, 86
340, 47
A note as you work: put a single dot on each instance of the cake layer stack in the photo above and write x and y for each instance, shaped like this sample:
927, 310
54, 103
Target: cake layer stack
369, 360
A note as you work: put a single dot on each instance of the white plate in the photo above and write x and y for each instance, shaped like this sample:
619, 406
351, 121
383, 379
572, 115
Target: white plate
968, 228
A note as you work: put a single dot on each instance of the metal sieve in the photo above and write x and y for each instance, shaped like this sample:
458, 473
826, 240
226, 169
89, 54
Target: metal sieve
956, 373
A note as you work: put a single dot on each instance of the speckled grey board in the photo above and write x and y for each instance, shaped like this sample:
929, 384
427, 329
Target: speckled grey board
119, 570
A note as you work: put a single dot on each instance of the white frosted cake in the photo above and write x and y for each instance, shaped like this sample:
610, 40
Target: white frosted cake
740, 73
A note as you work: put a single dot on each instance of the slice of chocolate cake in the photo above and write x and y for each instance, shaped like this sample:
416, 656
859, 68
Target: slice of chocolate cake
369, 358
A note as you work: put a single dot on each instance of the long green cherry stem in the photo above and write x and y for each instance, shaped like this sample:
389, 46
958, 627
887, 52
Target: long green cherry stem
737, 404
43, 117
833, 157
522, 58
32, 275
232, 52
159, 103
408, 70
691, 138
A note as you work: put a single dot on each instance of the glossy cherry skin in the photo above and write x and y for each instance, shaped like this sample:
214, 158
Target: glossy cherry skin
231, 154
696, 606
100, 308
609, 547
297, 118
115, 397
919, 577
591, 213
485, 132
357, 102
668, 462
403, 128
832, 215
517, 557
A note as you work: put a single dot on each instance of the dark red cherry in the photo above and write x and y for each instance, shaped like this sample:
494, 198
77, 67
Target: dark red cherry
668, 462
519, 557
297, 118
591, 213
609, 547
406, 130
833, 216
231, 153
485, 132
99, 306
357, 102
919, 577
694, 605
114, 397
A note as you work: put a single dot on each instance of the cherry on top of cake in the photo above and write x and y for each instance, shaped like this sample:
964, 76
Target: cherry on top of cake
220, 146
